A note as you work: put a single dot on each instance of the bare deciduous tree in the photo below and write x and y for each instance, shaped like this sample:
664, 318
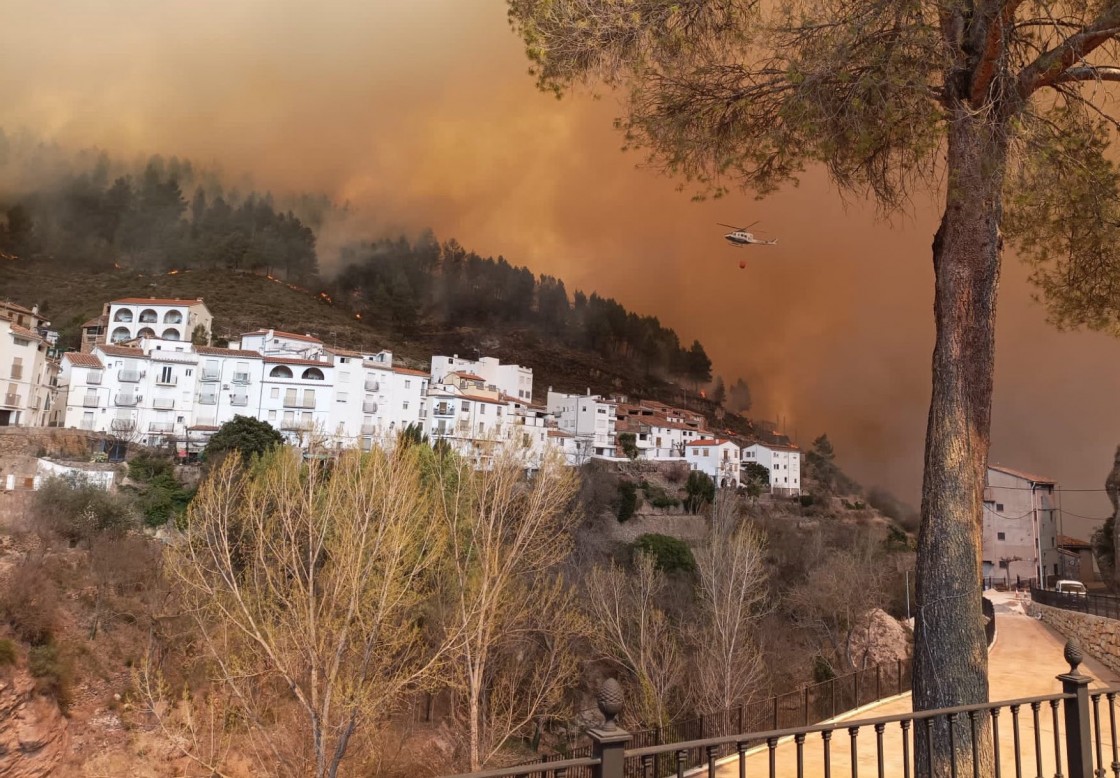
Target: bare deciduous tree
629, 626
514, 617
307, 587
732, 598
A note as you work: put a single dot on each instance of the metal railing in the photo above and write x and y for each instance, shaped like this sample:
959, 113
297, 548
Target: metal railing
12, 400
1048, 735
1104, 605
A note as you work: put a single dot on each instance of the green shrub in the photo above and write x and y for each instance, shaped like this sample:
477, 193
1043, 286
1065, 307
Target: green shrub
53, 675
627, 500
77, 510
658, 497
806, 500
670, 554
145, 468
7, 653
627, 441
701, 491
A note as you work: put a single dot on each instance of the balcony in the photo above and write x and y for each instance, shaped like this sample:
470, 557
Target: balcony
299, 425
129, 376
90, 400
208, 398
372, 385
85, 424
93, 378
443, 409
122, 425
17, 372
369, 406
241, 378
291, 401
161, 426
205, 421
368, 429
210, 374
126, 399
12, 400
163, 404
167, 381
240, 400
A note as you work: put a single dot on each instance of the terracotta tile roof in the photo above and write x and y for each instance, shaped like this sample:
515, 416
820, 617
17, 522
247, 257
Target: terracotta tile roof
775, 446
479, 399
17, 307
23, 332
708, 442
1065, 541
1034, 479
294, 361
282, 334
559, 434
155, 301
343, 352
100, 321
120, 351
79, 359
410, 371
228, 352
468, 376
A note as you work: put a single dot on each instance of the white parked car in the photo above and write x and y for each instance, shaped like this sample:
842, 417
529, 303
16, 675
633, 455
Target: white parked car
1070, 587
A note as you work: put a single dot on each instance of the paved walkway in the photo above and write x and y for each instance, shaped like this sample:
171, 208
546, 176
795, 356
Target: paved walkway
1024, 662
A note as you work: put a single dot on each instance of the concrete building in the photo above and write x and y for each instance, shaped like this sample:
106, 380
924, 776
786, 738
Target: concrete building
589, 419
151, 317
782, 461
1020, 534
28, 377
660, 431
717, 458
513, 380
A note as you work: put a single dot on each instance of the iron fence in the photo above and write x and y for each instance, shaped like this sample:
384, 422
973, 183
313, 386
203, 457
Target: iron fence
1056, 734
1104, 605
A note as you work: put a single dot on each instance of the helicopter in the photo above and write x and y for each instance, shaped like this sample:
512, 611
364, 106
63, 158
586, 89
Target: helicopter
740, 236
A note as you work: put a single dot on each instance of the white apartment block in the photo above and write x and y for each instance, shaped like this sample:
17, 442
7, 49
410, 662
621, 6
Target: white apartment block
513, 380
717, 458
28, 376
150, 317
1020, 533
589, 419
783, 462
660, 431
158, 392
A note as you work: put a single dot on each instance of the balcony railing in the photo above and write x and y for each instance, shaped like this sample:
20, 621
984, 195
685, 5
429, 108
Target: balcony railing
369, 407
93, 378
208, 399
89, 401
17, 372
85, 424
297, 424
161, 427
12, 400
368, 429
291, 401
241, 378
167, 380
211, 374
129, 376
163, 404
372, 385
126, 399
239, 400
443, 409
1049, 735
122, 425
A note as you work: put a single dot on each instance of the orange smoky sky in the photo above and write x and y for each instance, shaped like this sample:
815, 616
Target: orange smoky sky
420, 113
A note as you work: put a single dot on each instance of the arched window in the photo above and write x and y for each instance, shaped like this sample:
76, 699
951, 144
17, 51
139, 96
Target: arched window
123, 315
119, 334
280, 371
171, 334
148, 316
313, 374
173, 317
147, 332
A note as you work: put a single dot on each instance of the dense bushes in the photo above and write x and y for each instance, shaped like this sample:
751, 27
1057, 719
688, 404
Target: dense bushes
627, 500
160, 496
77, 510
669, 554
7, 652
701, 491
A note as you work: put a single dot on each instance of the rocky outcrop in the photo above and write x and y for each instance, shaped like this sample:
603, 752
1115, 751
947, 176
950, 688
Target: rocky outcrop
34, 735
878, 639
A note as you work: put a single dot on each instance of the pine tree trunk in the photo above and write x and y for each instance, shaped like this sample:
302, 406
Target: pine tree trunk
951, 660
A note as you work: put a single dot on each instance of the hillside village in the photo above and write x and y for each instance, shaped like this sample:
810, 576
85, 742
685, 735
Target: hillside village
146, 373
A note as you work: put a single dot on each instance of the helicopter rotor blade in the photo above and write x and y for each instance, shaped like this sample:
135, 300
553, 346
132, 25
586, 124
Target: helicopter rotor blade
729, 226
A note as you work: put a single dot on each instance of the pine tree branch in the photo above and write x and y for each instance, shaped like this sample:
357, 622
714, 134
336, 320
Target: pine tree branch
1089, 73
1049, 66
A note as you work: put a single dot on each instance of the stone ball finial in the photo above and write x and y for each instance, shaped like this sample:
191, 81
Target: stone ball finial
1073, 655
610, 702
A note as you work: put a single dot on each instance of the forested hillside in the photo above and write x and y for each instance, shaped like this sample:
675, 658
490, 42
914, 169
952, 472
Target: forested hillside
90, 213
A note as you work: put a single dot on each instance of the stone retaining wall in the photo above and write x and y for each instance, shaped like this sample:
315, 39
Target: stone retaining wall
1099, 636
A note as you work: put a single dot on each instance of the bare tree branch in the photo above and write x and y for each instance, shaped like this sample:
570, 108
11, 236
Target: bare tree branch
1049, 66
1088, 73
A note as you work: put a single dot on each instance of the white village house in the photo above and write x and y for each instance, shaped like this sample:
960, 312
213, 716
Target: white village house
590, 421
782, 461
717, 458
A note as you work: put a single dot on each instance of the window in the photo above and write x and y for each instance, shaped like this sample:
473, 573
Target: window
407, 383
481, 410
308, 398
343, 376
312, 374
165, 374
280, 371
1003, 564
406, 405
275, 393
289, 397
465, 407
189, 372
272, 415
1001, 536
17, 368
341, 397
999, 507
